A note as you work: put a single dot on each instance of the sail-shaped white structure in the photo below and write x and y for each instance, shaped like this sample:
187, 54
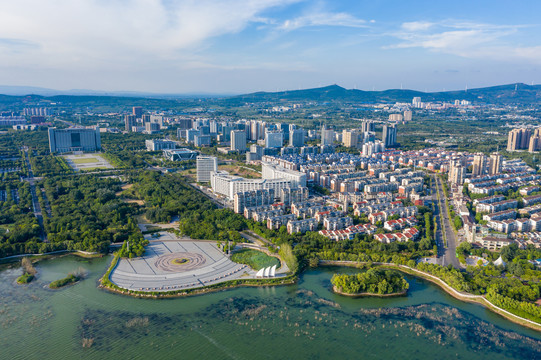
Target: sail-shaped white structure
273, 271
267, 272
260, 273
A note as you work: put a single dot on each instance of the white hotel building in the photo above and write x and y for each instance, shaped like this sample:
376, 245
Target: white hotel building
228, 185
272, 171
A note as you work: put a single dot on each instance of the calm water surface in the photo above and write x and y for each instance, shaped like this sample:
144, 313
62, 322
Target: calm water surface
302, 321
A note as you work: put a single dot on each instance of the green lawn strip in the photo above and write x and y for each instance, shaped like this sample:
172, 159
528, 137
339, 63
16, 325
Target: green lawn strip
255, 259
85, 160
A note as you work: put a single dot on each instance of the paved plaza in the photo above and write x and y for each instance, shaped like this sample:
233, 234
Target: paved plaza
87, 161
171, 264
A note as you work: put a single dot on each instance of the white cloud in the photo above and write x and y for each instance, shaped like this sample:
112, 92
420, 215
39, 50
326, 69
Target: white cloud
121, 32
323, 19
417, 25
469, 40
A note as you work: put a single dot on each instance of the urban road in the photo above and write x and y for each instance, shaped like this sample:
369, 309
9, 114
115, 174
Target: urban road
35, 202
445, 235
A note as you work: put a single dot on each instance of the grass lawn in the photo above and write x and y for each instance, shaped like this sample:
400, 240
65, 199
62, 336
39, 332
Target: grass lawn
255, 259
85, 160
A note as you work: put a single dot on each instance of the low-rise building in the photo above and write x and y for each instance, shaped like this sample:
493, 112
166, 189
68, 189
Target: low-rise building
337, 223
275, 223
532, 200
302, 226
502, 215
494, 243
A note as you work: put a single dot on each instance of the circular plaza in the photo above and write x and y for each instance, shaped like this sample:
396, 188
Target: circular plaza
171, 264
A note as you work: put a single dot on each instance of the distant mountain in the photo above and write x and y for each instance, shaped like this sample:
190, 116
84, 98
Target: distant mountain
503, 94
33, 90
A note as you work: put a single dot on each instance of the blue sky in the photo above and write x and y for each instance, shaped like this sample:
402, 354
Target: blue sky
237, 46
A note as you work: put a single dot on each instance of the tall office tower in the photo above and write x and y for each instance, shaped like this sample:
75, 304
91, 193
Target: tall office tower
327, 136
238, 140
292, 127
151, 128
184, 124
129, 122
137, 111
408, 115
205, 165
478, 165
368, 126
204, 130
74, 139
274, 139
495, 164
145, 118
296, 138
389, 135
457, 172
416, 102
350, 138
284, 128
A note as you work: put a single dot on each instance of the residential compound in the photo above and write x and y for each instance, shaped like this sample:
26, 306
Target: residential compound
495, 198
524, 139
499, 202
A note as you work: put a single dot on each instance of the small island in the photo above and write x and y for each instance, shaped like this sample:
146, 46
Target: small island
70, 279
29, 272
373, 282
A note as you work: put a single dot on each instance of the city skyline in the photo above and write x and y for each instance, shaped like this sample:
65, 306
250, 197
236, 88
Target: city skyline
245, 46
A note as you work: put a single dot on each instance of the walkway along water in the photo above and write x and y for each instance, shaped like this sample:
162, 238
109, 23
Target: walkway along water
457, 294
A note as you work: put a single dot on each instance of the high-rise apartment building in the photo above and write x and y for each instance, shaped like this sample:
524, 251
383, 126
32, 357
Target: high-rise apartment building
518, 139
478, 164
495, 164
74, 139
350, 138
327, 136
408, 115
535, 141
396, 117
238, 140
129, 122
457, 172
205, 166
389, 135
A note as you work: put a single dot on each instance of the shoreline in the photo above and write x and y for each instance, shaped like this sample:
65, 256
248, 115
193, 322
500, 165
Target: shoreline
366, 294
105, 283
466, 297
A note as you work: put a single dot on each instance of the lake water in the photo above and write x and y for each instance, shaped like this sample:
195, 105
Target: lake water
301, 321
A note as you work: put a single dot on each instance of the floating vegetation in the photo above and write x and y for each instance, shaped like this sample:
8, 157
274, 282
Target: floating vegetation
87, 342
137, 321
